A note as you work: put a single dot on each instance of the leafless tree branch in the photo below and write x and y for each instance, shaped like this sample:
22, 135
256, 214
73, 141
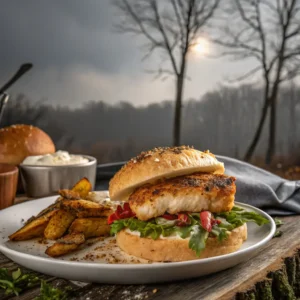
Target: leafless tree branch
268, 31
171, 27
180, 21
138, 22
161, 28
246, 75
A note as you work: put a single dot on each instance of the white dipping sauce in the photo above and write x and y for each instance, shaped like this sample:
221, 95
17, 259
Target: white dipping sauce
58, 158
161, 237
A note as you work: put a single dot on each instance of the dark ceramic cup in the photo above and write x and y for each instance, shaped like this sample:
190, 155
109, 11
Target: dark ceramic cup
8, 184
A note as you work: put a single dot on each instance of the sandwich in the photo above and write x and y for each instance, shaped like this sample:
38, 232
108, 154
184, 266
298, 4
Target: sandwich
178, 205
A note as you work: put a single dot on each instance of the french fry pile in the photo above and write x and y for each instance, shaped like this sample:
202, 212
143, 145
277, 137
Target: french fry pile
69, 221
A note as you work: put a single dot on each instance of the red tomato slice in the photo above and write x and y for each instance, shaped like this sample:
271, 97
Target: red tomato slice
126, 214
205, 218
126, 207
112, 218
183, 220
169, 217
215, 222
119, 211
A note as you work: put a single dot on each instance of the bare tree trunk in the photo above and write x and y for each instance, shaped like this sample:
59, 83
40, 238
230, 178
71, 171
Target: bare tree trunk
258, 132
273, 104
272, 132
293, 124
178, 105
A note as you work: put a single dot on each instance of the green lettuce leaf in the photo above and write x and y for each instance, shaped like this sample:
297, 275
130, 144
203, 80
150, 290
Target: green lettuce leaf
198, 239
146, 229
220, 232
184, 232
238, 216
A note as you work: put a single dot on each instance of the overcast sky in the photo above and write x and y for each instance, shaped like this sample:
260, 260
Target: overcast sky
78, 56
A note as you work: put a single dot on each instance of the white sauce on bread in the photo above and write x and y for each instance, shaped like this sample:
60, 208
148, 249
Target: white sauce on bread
171, 237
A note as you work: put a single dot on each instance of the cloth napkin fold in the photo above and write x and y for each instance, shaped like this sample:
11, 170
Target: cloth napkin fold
257, 187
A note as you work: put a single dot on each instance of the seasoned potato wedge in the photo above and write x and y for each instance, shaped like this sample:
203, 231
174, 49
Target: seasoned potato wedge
34, 228
79, 191
69, 194
50, 208
85, 208
59, 249
72, 238
58, 224
66, 245
82, 187
90, 227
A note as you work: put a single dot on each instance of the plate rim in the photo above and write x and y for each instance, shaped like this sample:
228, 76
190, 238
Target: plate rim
156, 265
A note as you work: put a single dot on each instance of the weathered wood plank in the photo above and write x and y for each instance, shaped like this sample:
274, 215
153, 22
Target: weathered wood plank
3, 259
111, 292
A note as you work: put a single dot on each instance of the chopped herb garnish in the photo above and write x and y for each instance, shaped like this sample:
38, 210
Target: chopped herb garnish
278, 222
48, 292
278, 233
15, 282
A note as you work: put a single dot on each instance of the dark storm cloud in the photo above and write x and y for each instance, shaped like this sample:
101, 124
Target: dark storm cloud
59, 34
78, 56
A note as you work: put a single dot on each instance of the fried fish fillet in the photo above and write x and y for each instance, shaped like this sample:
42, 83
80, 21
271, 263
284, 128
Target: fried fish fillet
191, 193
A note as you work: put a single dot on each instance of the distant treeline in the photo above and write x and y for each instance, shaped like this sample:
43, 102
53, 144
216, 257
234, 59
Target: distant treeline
223, 121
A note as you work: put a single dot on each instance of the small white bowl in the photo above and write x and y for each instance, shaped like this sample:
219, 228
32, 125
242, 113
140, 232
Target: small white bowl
41, 181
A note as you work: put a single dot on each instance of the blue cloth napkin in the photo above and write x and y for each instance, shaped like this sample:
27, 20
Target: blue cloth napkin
257, 187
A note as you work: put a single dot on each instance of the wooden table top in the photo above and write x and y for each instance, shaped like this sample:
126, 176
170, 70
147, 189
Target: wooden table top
244, 281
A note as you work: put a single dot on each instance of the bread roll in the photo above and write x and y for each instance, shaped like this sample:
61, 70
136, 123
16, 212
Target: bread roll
19, 141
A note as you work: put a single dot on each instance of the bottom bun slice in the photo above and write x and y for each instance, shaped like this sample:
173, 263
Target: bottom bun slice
176, 249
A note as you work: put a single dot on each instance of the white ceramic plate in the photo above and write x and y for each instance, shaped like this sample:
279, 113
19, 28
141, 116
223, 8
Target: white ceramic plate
88, 264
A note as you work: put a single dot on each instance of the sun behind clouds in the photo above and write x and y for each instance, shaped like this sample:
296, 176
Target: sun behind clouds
200, 47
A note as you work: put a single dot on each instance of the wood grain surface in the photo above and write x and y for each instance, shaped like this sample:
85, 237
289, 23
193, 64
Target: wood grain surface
227, 284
